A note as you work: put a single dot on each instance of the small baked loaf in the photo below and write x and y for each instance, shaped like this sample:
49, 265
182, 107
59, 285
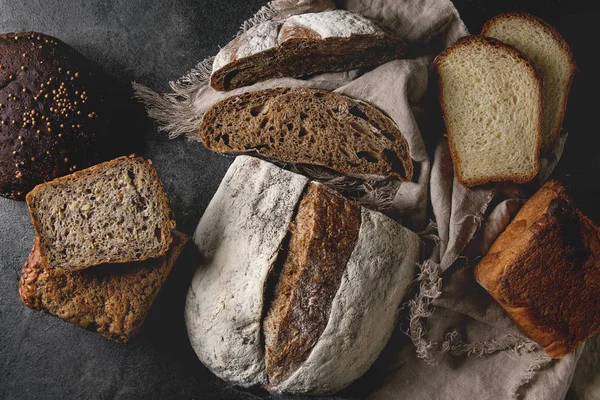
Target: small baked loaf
112, 300
301, 45
318, 277
309, 126
544, 270
491, 98
552, 59
51, 111
112, 212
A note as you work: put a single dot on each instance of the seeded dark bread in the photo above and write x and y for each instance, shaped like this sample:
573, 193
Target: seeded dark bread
544, 270
111, 299
113, 212
301, 45
50, 111
309, 126
322, 237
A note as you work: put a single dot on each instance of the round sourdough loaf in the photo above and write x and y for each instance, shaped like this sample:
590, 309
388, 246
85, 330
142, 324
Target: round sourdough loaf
49, 111
299, 289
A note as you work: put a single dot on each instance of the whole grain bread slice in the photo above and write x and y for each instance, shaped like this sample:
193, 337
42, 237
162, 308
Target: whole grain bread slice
309, 126
110, 299
113, 212
302, 45
491, 99
552, 59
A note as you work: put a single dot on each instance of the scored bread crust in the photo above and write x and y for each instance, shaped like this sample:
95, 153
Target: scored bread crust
549, 29
311, 127
333, 40
456, 160
112, 300
166, 236
544, 271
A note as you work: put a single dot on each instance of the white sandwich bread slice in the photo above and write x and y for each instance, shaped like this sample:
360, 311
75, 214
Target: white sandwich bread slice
320, 278
491, 98
552, 59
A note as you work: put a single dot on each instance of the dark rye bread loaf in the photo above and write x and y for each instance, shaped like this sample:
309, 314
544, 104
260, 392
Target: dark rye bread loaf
112, 212
309, 126
51, 111
322, 237
111, 299
302, 45
544, 270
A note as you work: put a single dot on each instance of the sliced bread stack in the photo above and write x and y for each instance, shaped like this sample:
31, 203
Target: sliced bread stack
503, 96
104, 245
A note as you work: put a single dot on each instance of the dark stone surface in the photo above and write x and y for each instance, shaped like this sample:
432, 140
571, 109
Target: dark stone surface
152, 42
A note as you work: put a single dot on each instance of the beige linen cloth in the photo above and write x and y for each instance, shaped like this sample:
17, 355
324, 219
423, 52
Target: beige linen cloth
454, 341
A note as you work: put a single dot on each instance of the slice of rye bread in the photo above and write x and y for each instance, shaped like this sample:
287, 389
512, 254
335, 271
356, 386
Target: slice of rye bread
552, 59
491, 99
112, 212
308, 126
322, 238
110, 299
544, 270
301, 45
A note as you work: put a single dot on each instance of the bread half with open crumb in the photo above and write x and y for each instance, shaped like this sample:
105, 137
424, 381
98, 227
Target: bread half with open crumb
491, 99
552, 59
309, 126
113, 212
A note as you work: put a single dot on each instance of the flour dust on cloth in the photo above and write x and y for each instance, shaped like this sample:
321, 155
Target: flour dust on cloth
454, 342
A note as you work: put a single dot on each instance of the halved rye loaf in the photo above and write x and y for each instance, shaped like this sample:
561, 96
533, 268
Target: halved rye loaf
491, 98
552, 59
112, 212
544, 270
301, 45
309, 126
112, 301
318, 277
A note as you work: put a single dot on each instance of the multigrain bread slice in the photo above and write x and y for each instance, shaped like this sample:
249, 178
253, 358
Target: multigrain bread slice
322, 237
112, 301
309, 126
491, 99
113, 212
301, 45
552, 59
544, 270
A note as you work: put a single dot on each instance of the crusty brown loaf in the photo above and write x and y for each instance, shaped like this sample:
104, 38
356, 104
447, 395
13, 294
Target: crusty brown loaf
551, 57
309, 126
544, 270
110, 299
112, 212
322, 237
300, 50
51, 111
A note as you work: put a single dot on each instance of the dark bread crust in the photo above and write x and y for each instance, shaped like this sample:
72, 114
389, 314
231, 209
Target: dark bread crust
322, 238
303, 53
50, 114
309, 126
110, 299
456, 161
563, 45
544, 270
36, 210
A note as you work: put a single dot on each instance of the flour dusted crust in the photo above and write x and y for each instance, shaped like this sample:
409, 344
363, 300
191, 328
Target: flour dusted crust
364, 310
239, 238
257, 224
332, 40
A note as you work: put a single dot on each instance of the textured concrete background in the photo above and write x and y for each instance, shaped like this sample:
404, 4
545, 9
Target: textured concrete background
152, 42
